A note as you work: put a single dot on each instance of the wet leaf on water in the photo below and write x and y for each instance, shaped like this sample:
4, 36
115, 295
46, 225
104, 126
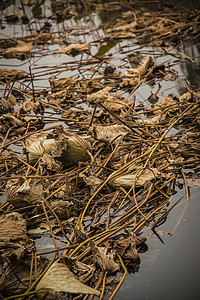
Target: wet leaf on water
75, 49
59, 278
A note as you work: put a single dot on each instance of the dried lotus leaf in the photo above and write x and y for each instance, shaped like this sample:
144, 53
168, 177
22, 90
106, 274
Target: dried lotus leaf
61, 83
106, 259
142, 70
59, 278
77, 150
22, 194
11, 75
21, 48
100, 95
74, 49
64, 146
129, 179
38, 148
69, 147
111, 133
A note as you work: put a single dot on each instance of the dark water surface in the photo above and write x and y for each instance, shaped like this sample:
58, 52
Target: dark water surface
170, 270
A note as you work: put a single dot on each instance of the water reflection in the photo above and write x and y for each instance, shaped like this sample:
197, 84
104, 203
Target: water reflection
190, 70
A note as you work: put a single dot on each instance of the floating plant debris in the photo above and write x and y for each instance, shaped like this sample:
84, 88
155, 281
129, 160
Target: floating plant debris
98, 130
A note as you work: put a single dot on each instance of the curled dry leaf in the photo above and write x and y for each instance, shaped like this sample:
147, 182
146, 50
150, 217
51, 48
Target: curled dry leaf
142, 70
38, 148
74, 49
11, 75
59, 97
8, 103
21, 193
15, 274
100, 95
47, 162
127, 180
122, 31
61, 83
127, 247
62, 145
62, 209
105, 259
27, 106
111, 133
59, 278
13, 236
21, 48
113, 103
92, 181
167, 106
9, 120
70, 148
91, 85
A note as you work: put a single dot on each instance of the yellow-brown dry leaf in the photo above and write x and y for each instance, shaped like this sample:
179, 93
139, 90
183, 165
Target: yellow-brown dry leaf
59, 278
62, 83
11, 75
110, 133
75, 49
142, 70
21, 48
106, 259
127, 180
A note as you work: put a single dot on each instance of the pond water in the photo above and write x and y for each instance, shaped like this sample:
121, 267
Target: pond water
168, 270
